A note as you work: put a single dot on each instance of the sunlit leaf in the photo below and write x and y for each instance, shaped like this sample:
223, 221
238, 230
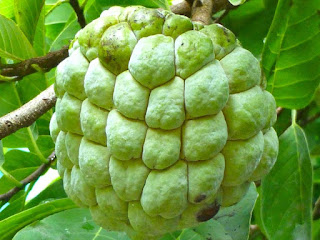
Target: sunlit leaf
291, 56
11, 225
73, 224
7, 8
13, 43
27, 14
287, 191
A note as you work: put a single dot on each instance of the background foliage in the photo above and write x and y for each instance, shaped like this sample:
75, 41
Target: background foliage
283, 34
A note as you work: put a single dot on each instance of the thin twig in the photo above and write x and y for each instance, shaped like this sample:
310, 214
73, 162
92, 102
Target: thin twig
33, 176
279, 110
27, 67
310, 120
28, 113
79, 11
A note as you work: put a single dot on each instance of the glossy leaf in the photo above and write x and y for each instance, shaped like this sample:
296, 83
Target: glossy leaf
7, 8
53, 191
27, 14
287, 191
73, 224
236, 219
250, 22
11, 225
190, 234
291, 54
19, 164
213, 230
66, 34
16, 205
39, 41
13, 43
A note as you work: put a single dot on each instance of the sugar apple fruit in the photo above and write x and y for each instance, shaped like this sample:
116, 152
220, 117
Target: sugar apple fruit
159, 121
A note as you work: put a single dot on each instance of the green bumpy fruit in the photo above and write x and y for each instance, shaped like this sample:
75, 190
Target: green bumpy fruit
159, 121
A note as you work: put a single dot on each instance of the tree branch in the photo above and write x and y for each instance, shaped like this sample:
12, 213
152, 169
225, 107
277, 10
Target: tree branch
79, 11
316, 210
182, 8
202, 11
309, 120
33, 176
28, 113
47, 62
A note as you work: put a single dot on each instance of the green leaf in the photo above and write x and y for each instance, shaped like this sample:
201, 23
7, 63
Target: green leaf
27, 15
60, 14
9, 101
12, 224
250, 22
316, 230
147, 3
53, 191
13, 43
68, 32
213, 230
39, 41
8, 98
236, 2
73, 224
287, 190
7, 8
19, 164
291, 55
30, 86
16, 205
190, 234
17, 159
236, 219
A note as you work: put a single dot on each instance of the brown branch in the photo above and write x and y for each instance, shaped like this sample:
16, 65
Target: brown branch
309, 120
28, 113
182, 8
47, 62
202, 11
79, 11
219, 5
316, 210
279, 110
33, 176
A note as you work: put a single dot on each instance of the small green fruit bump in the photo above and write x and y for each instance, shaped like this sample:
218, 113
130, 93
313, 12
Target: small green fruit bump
116, 46
269, 156
152, 61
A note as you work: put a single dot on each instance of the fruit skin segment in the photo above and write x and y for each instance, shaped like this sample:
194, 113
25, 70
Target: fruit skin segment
159, 121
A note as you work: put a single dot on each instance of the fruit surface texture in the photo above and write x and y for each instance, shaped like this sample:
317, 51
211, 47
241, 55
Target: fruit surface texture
159, 121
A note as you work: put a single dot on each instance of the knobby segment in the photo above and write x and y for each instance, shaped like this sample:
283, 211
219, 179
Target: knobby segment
28, 113
159, 121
